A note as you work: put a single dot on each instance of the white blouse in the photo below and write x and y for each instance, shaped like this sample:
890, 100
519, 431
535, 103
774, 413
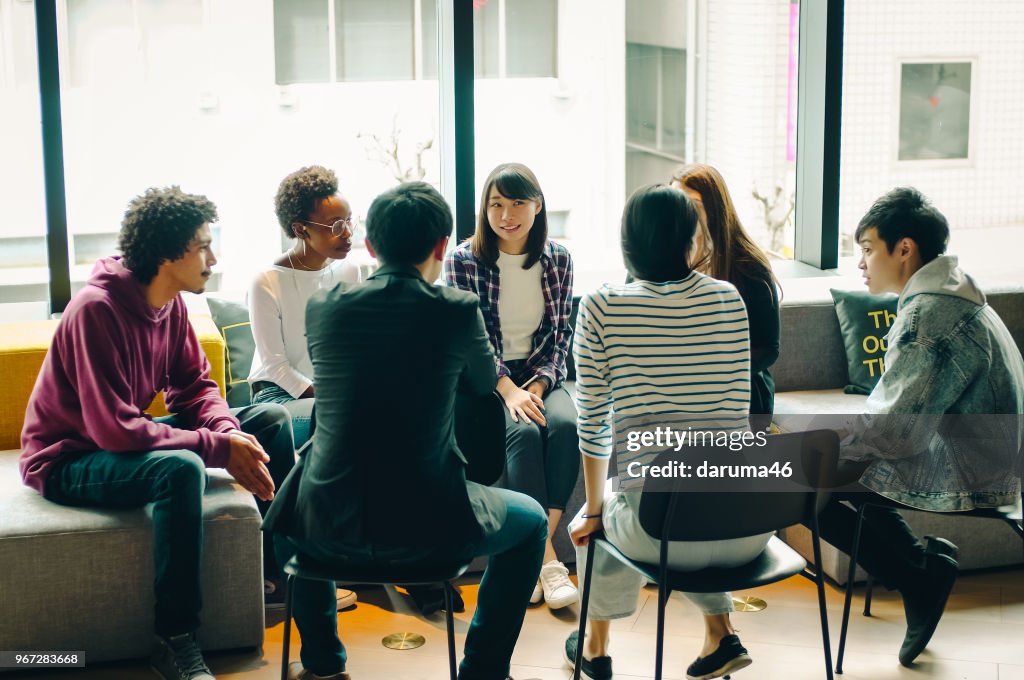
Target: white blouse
277, 308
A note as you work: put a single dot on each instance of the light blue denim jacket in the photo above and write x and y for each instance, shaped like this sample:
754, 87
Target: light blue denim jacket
943, 426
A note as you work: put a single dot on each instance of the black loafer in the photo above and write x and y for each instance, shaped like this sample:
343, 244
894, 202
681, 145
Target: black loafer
924, 604
730, 656
598, 668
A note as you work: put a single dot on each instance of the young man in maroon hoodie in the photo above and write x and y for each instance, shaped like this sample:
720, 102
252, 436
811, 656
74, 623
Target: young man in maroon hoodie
87, 440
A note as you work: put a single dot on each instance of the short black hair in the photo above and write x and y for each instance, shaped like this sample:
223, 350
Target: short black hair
405, 223
658, 224
158, 226
905, 212
299, 192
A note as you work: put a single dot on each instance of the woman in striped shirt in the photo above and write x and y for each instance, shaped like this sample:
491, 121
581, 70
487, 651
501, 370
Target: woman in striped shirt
671, 343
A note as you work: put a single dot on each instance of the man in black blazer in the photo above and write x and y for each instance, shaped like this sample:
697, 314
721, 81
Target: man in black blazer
384, 477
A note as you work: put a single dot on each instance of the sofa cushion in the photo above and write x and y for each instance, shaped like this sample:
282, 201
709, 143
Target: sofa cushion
23, 347
811, 355
232, 319
82, 578
864, 319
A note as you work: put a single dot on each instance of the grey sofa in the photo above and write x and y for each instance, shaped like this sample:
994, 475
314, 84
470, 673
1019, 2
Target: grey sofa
809, 379
81, 579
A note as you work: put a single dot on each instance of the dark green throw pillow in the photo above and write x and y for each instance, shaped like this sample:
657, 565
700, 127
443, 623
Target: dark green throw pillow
232, 319
864, 319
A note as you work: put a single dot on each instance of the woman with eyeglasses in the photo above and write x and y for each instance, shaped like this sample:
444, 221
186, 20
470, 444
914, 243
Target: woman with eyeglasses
524, 282
312, 212
725, 251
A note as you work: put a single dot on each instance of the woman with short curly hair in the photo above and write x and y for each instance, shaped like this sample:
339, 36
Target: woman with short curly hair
312, 212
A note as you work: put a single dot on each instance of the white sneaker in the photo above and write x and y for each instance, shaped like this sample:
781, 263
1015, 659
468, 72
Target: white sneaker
538, 594
346, 598
559, 591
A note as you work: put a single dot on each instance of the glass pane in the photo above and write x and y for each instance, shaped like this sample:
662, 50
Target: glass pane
673, 101
531, 35
374, 39
485, 37
24, 277
746, 113
949, 128
102, 40
642, 74
166, 27
429, 39
235, 136
301, 42
935, 108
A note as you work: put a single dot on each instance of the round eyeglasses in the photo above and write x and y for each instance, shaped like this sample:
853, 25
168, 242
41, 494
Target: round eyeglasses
338, 228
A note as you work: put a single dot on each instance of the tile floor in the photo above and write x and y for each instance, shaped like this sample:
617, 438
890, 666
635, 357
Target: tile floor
981, 637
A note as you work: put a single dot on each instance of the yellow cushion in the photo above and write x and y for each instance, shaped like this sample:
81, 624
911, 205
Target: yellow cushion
23, 346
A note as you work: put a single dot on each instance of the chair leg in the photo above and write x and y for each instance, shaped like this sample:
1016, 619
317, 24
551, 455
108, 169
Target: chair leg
449, 620
288, 592
819, 580
663, 592
584, 604
849, 589
867, 595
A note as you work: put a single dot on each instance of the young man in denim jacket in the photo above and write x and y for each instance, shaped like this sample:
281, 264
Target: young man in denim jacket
942, 429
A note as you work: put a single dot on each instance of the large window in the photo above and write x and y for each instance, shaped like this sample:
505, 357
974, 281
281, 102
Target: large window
319, 41
24, 276
933, 106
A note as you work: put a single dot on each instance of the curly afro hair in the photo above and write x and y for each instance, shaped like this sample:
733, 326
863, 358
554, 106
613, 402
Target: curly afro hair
299, 192
158, 226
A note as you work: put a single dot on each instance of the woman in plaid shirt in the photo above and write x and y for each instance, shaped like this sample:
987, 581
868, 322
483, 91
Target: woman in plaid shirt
524, 282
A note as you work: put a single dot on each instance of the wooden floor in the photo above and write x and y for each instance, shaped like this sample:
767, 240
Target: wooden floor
981, 637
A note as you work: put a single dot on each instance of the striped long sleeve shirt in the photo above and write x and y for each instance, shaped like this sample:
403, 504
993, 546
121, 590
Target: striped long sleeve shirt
660, 349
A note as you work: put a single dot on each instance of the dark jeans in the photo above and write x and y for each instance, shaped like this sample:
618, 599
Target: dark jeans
888, 550
174, 482
515, 550
301, 410
543, 462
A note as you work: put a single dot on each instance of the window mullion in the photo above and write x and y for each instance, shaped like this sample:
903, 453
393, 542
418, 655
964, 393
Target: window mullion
502, 41
417, 40
332, 41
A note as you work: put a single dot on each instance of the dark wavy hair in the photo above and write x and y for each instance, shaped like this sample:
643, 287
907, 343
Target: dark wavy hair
902, 213
512, 180
299, 192
158, 226
405, 222
658, 224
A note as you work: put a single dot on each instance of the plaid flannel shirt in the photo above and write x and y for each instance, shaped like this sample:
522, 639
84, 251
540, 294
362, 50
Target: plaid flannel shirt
551, 341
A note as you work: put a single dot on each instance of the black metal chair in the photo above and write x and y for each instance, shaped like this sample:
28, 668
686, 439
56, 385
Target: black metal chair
691, 515
302, 567
1009, 515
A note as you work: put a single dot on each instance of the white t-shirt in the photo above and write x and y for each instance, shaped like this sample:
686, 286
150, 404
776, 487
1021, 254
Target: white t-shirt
520, 304
277, 307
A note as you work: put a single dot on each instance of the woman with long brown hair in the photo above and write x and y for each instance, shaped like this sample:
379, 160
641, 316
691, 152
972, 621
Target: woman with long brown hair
724, 250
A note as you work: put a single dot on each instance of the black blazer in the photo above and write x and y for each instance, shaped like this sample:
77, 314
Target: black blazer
384, 467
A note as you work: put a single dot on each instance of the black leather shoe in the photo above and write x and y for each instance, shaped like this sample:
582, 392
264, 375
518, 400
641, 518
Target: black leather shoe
924, 603
730, 656
940, 546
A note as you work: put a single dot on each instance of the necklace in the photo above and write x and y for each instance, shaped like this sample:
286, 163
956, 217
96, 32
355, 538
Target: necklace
303, 266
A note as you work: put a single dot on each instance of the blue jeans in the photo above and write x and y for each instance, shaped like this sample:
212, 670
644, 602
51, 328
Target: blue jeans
174, 482
301, 410
516, 551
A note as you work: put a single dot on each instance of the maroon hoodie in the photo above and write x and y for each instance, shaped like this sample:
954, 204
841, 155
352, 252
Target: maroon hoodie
111, 353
